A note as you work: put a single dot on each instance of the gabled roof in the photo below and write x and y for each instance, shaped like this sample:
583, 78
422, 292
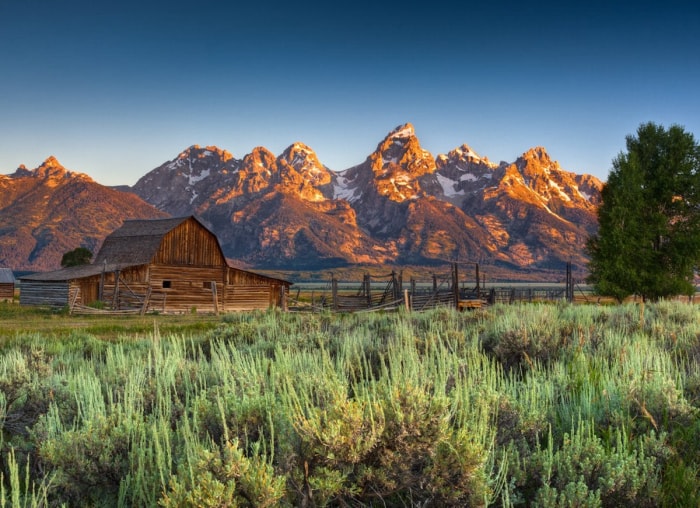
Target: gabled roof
137, 241
6, 276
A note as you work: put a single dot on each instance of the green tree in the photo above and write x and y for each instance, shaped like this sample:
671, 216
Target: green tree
648, 241
76, 257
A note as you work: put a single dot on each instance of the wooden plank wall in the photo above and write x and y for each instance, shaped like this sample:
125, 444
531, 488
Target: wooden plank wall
248, 297
178, 289
190, 244
189, 287
89, 289
7, 291
54, 294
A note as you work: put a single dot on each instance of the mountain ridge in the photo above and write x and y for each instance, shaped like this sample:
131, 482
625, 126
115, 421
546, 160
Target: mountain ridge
401, 205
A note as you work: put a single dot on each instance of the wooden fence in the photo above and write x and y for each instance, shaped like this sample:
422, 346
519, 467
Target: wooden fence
451, 288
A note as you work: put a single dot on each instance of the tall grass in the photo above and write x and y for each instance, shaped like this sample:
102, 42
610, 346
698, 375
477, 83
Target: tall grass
535, 403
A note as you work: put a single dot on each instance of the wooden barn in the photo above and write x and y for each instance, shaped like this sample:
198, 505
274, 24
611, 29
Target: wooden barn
7, 284
164, 265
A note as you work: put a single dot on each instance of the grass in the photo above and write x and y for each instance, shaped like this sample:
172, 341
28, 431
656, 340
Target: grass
18, 321
528, 404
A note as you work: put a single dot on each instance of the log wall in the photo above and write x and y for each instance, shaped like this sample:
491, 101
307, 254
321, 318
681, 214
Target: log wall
7, 291
187, 288
249, 297
54, 294
162, 288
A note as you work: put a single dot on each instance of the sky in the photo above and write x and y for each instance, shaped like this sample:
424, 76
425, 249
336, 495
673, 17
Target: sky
115, 89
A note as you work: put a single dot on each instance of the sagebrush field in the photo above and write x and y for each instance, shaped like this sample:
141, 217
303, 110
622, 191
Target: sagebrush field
521, 405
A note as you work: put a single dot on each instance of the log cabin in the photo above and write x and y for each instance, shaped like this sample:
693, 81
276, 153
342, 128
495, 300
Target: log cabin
172, 265
7, 284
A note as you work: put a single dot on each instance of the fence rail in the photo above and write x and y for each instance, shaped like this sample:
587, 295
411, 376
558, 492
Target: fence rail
437, 290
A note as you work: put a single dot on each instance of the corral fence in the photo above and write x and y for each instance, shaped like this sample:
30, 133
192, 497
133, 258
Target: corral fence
455, 287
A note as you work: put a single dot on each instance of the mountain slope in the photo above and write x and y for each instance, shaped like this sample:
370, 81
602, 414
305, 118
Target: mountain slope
400, 206
49, 211
542, 216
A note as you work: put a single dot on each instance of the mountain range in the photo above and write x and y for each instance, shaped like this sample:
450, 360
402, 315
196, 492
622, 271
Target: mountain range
401, 206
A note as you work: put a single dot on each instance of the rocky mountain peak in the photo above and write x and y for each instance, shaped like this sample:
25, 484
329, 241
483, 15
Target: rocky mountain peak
207, 152
22, 171
537, 153
464, 154
299, 159
536, 163
51, 169
404, 131
397, 164
401, 205
51, 162
260, 160
544, 182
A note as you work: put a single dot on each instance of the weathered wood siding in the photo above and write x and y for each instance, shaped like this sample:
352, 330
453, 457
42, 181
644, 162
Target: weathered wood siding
250, 291
188, 272
187, 288
242, 297
7, 291
54, 294
190, 244
88, 288
235, 276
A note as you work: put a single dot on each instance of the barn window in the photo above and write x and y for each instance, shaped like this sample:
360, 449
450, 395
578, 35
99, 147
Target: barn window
167, 284
206, 284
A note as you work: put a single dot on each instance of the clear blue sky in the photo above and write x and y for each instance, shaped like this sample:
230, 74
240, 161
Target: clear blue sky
116, 89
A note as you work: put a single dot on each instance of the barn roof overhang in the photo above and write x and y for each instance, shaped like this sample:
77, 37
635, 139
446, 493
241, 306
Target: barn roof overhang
6, 276
76, 272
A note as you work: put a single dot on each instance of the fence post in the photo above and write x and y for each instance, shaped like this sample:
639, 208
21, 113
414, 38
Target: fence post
400, 282
367, 287
396, 290
478, 281
455, 285
334, 293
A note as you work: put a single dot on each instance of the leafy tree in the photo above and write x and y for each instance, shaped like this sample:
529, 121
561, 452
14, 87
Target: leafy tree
76, 257
648, 242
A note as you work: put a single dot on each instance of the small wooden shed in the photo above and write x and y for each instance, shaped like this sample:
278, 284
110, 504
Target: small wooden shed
7, 284
165, 265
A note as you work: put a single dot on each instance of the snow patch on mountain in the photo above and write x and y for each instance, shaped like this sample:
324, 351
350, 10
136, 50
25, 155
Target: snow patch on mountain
563, 195
448, 186
402, 132
390, 160
194, 179
342, 189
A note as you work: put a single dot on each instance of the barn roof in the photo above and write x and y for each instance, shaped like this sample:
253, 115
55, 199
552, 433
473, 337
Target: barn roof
137, 241
72, 272
6, 276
